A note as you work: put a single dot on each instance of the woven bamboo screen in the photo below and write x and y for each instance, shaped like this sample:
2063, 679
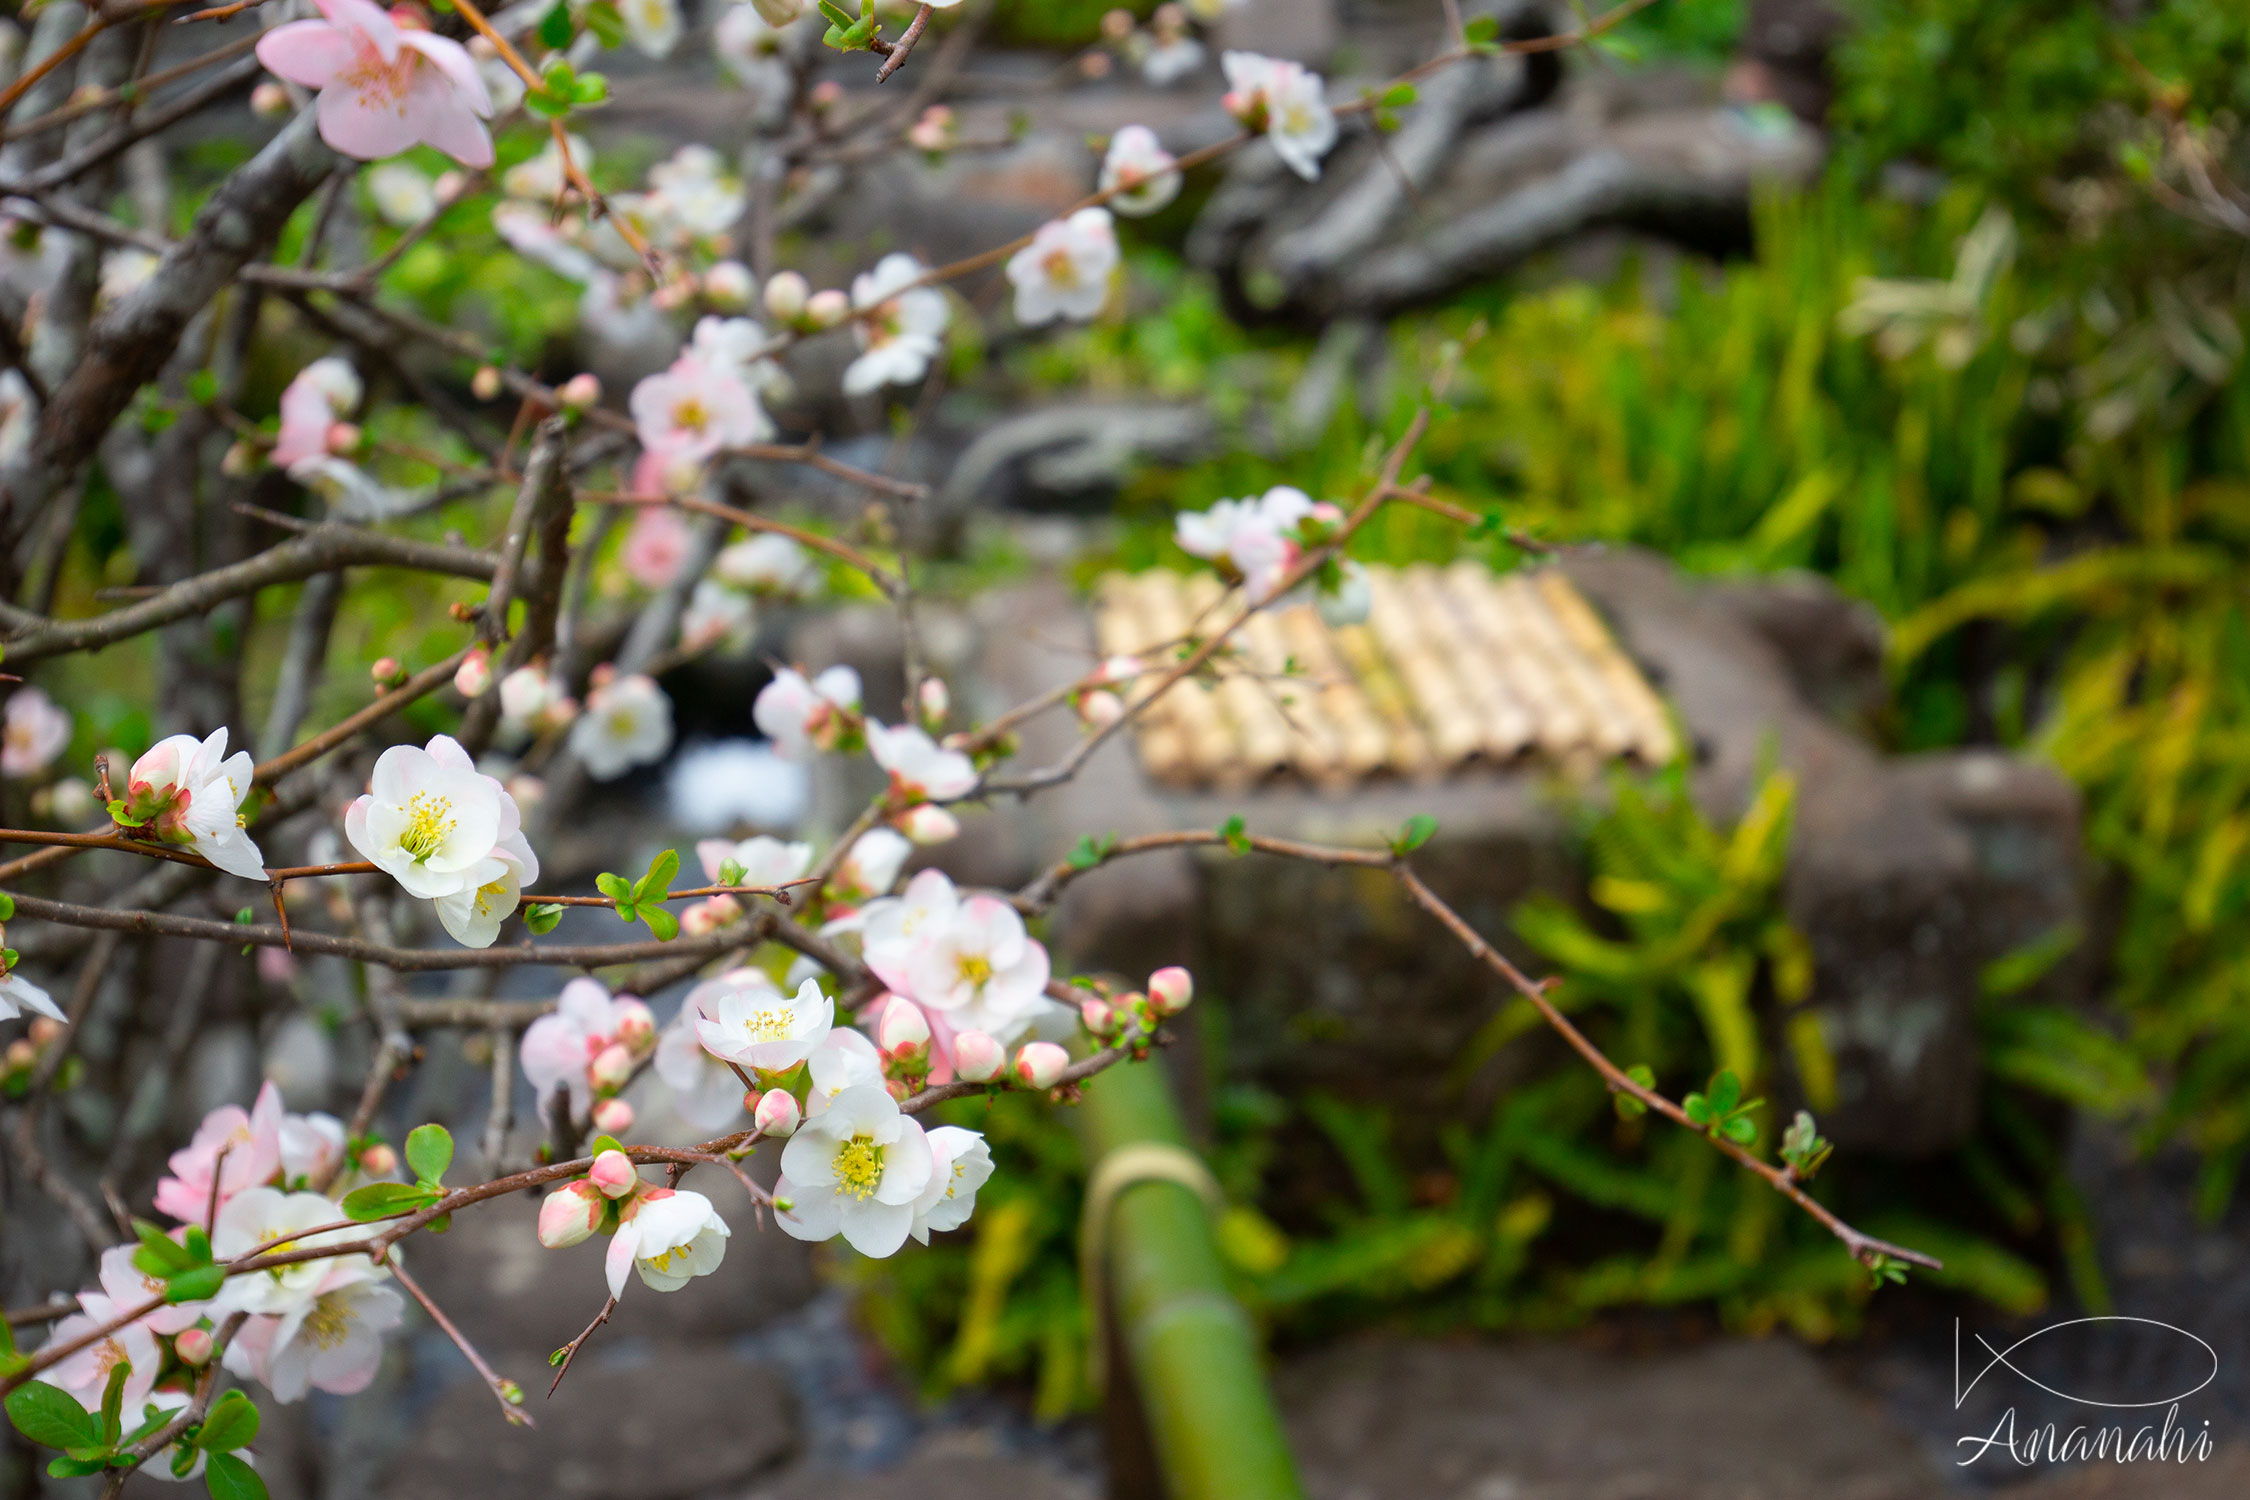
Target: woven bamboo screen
1453, 666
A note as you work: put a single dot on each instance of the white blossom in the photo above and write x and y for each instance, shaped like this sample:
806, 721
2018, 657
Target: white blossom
960, 1163
920, 768
746, 1019
856, 1169
1285, 101
901, 328
670, 1237
1065, 270
802, 716
33, 732
627, 723
1140, 174
190, 791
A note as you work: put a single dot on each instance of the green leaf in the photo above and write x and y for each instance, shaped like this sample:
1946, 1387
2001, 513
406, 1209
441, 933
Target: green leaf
555, 28
233, 1423
592, 88
229, 1478
1415, 834
167, 1253
731, 872
51, 1416
202, 387
1742, 1130
429, 1151
1726, 1091
541, 917
74, 1468
540, 102
836, 13
1090, 851
619, 890
1399, 95
1237, 841
601, 1143
200, 1284
113, 1402
1629, 1107
198, 1245
603, 20
383, 1200
661, 922
1481, 31
7, 907
658, 881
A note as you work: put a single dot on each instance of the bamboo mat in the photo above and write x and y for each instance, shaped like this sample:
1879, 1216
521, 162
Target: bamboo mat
1452, 667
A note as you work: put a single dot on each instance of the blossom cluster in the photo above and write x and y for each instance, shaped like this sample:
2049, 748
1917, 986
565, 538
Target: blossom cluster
250, 1182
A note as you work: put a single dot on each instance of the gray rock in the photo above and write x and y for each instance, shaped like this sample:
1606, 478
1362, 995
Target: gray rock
963, 1465
653, 1421
1533, 1421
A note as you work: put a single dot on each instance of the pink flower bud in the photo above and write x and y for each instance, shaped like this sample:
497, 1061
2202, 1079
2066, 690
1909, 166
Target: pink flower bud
386, 671
269, 99
44, 1030
904, 1032
709, 915
1096, 1015
485, 384
1101, 708
1040, 1064
474, 674
927, 824
730, 285
1169, 990
341, 438
579, 392
378, 1160
276, 966
977, 1058
450, 185
937, 701
611, 1067
1117, 24
21, 1054
613, 1173
826, 309
613, 1117
827, 94
636, 1024
194, 1346
570, 1213
1119, 669
786, 292
777, 1114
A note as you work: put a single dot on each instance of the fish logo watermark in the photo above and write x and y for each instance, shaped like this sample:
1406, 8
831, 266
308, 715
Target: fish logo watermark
2167, 1441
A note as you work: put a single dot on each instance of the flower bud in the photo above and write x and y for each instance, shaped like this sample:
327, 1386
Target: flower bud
903, 1035
636, 1024
1095, 64
269, 99
977, 1058
937, 701
612, 1067
45, 1030
709, 915
777, 1114
378, 1160
730, 285
524, 695
450, 185
1117, 24
485, 384
928, 824
570, 1214
194, 1346
613, 1174
1101, 708
241, 458
342, 438
826, 94
386, 671
613, 1117
474, 674
1097, 1016
1169, 990
279, 969
579, 392
825, 309
786, 292
1041, 1064
21, 1053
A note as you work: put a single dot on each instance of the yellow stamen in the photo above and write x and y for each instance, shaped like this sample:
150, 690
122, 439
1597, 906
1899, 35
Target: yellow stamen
859, 1166
428, 821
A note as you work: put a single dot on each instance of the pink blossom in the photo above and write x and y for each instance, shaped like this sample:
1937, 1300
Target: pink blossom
559, 1049
386, 83
252, 1143
35, 733
656, 546
313, 404
1170, 989
695, 409
86, 1374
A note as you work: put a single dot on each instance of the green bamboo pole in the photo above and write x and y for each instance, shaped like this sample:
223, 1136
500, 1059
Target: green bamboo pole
1191, 1351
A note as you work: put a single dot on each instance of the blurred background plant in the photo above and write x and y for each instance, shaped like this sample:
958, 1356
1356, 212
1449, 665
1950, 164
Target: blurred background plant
1987, 376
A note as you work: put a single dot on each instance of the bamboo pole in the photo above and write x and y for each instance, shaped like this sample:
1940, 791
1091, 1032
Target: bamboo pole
1189, 1348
